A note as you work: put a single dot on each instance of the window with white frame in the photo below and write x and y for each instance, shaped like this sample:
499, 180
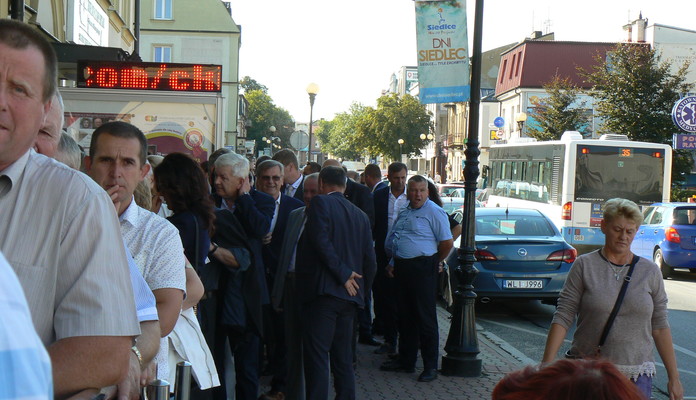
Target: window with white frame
163, 9
162, 54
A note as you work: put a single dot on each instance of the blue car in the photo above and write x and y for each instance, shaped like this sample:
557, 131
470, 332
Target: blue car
668, 236
519, 254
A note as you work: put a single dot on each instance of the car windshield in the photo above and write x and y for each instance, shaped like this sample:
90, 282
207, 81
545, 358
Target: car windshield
528, 225
452, 204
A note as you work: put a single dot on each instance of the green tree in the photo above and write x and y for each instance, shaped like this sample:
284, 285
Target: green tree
635, 92
378, 130
338, 136
263, 114
249, 84
557, 113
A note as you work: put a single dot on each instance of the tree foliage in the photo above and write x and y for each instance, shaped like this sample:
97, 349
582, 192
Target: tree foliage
557, 113
249, 84
396, 117
635, 92
338, 136
263, 114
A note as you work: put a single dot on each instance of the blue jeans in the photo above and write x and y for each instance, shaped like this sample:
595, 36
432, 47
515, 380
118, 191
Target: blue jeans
644, 383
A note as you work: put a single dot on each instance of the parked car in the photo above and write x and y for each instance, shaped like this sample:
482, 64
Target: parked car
668, 236
444, 189
519, 254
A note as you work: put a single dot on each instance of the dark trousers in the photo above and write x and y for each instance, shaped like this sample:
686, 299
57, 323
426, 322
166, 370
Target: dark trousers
416, 281
295, 389
277, 359
328, 331
386, 309
245, 350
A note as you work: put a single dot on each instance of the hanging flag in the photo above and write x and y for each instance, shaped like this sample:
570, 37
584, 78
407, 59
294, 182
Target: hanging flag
443, 56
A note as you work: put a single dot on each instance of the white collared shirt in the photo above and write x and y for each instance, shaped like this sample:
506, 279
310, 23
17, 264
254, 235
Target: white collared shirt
291, 189
275, 212
157, 250
396, 205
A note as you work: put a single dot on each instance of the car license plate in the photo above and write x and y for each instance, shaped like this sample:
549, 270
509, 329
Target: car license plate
526, 284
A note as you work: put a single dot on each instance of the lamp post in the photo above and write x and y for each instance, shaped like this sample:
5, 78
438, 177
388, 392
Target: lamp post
312, 90
520, 119
401, 153
462, 349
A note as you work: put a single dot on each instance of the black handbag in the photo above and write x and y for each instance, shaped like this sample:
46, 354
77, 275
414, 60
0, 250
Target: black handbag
612, 315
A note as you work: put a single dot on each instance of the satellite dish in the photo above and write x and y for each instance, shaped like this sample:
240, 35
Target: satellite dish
299, 140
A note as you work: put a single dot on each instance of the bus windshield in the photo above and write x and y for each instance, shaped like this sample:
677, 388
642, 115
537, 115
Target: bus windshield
605, 172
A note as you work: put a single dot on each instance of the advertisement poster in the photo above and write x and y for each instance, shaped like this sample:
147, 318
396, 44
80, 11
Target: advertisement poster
443, 56
169, 127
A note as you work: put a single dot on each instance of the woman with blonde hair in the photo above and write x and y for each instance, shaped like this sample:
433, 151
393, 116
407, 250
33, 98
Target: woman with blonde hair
620, 303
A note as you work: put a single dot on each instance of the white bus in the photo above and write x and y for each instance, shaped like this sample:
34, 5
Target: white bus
570, 179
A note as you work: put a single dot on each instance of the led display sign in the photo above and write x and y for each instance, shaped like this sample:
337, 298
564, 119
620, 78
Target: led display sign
149, 76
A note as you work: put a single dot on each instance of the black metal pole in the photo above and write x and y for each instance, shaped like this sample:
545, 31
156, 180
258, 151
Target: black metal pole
462, 344
136, 28
311, 110
17, 10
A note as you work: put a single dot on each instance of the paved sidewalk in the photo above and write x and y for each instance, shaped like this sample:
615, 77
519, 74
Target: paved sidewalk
498, 358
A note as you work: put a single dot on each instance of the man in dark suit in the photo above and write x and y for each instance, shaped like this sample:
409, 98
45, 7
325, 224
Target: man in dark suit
335, 267
388, 202
284, 294
361, 196
292, 181
373, 177
269, 178
234, 298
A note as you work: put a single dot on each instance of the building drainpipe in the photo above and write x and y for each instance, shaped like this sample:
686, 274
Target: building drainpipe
136, 27
17, 10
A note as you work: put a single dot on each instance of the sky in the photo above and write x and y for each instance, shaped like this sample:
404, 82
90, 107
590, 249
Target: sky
350, 49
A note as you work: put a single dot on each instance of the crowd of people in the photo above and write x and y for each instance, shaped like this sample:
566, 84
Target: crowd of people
112, 275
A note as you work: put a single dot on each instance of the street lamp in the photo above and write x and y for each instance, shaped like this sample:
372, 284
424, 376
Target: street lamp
429, 136
401, 153
520, 119
462, 348
312, 90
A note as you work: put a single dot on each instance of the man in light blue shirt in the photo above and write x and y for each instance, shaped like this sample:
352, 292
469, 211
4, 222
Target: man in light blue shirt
419, 240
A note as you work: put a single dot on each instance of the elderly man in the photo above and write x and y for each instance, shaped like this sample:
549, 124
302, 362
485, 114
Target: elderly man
335, 268
233, 313
116, 162
68, 152
418, 242
285, 297
77, 284
49, 135
269, 178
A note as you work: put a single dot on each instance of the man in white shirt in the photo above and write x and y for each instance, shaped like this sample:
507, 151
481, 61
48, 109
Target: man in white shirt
389, 202
116, 162
57, 230
292, 179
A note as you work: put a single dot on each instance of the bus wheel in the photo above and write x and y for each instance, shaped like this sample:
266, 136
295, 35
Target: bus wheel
660, 261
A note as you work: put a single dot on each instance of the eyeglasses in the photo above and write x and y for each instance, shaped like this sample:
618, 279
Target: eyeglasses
275, 178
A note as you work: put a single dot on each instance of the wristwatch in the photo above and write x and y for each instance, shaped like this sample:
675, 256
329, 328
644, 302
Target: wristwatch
215, 247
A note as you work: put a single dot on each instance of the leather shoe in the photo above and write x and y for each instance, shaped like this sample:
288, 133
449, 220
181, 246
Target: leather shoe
396, 366
385, 349
428, 375
368, 340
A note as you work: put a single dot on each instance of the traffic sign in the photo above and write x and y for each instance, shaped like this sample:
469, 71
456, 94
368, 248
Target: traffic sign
499, 122
684, 114
299, 140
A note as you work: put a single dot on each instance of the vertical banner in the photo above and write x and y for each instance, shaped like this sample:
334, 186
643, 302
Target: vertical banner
443, 56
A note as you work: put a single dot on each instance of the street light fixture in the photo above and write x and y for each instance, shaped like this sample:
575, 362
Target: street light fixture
520, 119
312, 90
429, 136
401, 153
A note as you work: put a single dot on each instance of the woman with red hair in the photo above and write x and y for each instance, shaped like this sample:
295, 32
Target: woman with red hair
568, 380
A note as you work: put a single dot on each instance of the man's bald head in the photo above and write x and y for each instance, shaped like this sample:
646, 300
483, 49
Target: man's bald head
331, 163
49, 134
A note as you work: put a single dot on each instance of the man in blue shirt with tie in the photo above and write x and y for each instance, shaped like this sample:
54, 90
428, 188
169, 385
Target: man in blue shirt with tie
418, 242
